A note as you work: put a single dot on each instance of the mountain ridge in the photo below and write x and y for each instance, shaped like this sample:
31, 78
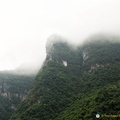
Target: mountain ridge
67, 76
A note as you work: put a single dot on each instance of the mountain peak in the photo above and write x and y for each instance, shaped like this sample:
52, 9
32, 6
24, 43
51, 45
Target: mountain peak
52, 40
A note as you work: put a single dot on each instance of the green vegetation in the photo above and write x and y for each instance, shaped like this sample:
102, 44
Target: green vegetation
89, 84
104, 102
13, 89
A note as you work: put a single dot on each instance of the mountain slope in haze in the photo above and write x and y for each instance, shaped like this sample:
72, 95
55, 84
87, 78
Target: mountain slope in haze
72, 77
13, 89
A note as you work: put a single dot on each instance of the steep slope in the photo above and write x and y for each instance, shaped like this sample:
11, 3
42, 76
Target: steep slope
105, 102
13, 89
67, 77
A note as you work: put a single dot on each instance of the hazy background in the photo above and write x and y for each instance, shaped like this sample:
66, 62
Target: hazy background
25, 26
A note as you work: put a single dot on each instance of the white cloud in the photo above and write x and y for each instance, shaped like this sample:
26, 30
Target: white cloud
25, 25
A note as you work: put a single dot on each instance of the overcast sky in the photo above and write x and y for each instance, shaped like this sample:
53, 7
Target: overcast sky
25, 26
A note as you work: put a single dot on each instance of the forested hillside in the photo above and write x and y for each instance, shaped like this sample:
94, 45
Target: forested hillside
13, 89
75, 83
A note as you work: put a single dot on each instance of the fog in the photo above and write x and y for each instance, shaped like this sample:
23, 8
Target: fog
25, 26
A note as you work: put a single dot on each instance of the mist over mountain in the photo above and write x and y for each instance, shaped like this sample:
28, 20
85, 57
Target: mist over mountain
75, 83
72, 75
27, 69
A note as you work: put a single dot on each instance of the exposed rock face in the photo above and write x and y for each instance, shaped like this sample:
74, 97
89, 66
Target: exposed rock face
65, 63
5, 91
94, 67
85, 55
